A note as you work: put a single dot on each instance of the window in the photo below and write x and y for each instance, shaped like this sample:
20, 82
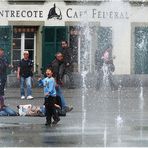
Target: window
24, 38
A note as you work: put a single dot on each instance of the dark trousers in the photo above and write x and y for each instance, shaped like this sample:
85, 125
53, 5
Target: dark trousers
66, 70
2, 85
50, 109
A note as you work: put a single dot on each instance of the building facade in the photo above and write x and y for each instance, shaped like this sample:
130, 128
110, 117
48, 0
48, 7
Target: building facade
39, 26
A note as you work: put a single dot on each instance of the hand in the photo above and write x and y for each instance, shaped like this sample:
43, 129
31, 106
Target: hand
57, 106
60, 82
18, 77
39, 78
47, 94
67, 64
10, 66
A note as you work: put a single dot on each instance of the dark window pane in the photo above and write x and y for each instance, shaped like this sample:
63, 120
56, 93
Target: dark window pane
16, 43
29, 34
29, 44
61, 34
49, 34
17, 35
15, 65
31, 55
16, 55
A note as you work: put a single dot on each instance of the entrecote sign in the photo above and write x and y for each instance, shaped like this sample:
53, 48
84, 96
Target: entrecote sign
68, 13
21, 14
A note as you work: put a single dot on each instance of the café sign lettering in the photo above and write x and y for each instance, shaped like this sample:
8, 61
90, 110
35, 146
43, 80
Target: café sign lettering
69, 13
20, 13
96, 14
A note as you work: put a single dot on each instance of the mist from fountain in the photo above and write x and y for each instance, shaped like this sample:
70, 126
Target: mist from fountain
85, 53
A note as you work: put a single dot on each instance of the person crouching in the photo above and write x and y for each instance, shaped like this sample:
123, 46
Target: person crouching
49, 85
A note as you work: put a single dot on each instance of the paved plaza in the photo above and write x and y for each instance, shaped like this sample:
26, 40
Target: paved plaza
101, 118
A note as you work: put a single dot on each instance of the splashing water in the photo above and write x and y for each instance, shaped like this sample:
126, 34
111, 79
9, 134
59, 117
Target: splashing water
105, 136
85, 68
141, 92
141, 106
119, 119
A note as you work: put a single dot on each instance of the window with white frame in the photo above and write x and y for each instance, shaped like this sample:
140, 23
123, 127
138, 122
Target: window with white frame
24, 38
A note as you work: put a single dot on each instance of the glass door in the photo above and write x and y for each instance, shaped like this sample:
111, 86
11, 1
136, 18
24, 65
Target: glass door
23, 39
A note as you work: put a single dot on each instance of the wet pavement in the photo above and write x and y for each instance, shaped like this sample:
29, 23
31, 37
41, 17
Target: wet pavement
101, 118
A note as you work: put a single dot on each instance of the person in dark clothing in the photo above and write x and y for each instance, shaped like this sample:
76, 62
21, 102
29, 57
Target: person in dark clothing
4, 64
3, 71
24, 74
67, 59
58, 69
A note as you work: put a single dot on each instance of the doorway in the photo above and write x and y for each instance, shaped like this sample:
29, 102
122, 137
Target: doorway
24, 38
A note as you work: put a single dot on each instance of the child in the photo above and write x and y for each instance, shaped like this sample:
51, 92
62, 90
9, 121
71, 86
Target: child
50, 98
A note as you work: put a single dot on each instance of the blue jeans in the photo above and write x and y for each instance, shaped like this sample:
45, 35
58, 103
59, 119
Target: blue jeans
28, 84
60, 93
42, 109
7, 111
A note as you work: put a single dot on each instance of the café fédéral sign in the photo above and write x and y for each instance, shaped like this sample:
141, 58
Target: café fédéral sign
68, 13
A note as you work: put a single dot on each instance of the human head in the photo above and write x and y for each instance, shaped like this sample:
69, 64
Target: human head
1, 52
26, 54
64, 44
49, 72
59, 56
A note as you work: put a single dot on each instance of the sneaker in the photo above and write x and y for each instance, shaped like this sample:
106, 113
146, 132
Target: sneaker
22, 97
68, 108
29, 97
56, 121
48, 124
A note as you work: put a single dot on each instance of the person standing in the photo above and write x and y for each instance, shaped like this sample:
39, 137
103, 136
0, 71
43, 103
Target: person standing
107, 59
24, 74
58, 67
51, 105
67, 57
3, 72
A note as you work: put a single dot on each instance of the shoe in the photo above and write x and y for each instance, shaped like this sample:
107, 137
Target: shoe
40, 113
29, 97
68, 108
56, 121
22, 97
48, 124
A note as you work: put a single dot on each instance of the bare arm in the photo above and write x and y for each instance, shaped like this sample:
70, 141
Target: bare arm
18, 73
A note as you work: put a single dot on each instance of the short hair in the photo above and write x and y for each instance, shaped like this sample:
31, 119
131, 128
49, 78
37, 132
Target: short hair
50, 68
65, 41
26, 52
58, 53
1, 49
